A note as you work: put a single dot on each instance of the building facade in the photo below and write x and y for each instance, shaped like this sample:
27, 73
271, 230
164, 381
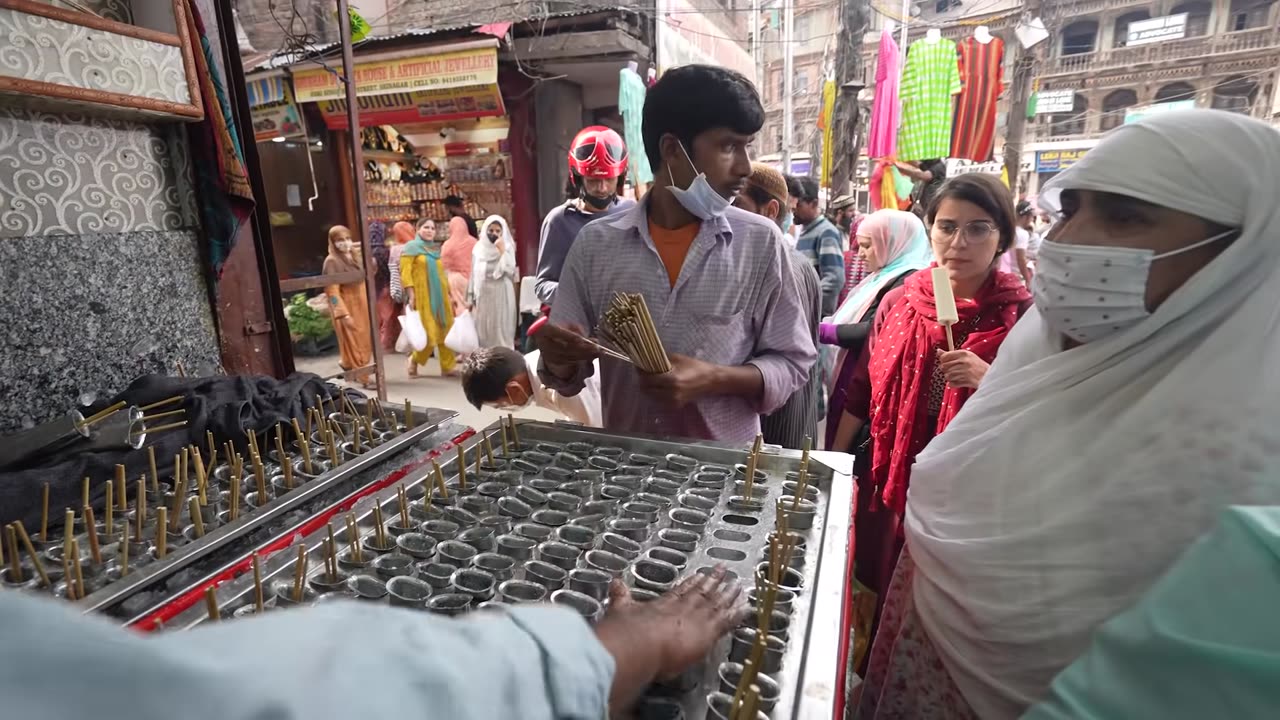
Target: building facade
1226, 58
813, 39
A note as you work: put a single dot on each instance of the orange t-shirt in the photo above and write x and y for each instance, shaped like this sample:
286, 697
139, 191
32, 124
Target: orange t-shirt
673, 246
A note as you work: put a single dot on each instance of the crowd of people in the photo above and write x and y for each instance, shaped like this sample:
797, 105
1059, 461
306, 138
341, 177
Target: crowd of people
1036, 481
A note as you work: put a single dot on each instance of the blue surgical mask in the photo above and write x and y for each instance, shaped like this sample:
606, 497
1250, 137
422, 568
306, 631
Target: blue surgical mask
700, 199
785, 223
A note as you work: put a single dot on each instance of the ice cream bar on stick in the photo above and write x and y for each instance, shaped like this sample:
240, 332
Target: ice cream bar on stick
945, 302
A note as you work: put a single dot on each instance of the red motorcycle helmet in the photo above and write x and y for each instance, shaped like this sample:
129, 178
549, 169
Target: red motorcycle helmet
598, 152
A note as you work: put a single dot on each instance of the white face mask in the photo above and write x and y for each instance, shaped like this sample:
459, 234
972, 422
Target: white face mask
700, 199
507, 406
344, 245
1089, 292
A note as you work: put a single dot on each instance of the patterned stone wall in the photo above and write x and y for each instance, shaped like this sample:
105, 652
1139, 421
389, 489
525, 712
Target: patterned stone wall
100, 272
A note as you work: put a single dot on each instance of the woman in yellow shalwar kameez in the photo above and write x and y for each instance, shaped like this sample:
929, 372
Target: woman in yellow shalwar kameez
426, 289
348, 305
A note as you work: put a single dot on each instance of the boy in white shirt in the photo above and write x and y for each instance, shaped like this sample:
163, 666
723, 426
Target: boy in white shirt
502, 378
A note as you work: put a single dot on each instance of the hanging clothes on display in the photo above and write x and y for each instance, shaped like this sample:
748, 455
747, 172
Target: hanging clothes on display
981, 71
631, 93
886, 112
931, 77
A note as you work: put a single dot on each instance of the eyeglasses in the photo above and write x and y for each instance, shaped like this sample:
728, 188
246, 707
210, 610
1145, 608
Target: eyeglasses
614, 151
976, 231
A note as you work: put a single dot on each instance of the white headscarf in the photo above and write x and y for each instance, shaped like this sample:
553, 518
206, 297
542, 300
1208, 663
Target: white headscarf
1072, 479
496, 259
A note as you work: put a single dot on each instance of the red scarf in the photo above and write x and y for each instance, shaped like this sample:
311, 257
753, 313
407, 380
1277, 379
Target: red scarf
902, 363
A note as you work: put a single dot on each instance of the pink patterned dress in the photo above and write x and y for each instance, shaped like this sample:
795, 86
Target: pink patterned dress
886, 111
905, 676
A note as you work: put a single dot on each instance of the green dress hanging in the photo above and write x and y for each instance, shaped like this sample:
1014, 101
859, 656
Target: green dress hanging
930, 82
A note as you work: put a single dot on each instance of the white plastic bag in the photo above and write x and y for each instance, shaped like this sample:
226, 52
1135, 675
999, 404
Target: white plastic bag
414, 332
402, 343
462, 337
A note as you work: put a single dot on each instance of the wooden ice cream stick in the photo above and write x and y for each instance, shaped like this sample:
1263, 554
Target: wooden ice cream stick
44, 514
300, 573
479, 457
304, 444
171, 413
31, 552
124, 551
162, 534
107, 509
332, 554
140, 512
15, 560
751, 464
95, 550
280, 455
122, 492
197, 520
69, 518
70, 579
260, 476
378, 531
502, 423
353, 538
382, 412
488, 450
444, 491
151, 466
213, 450
211, 604
515, 434
162, 428
408, 414
84, 492
78, 567
202, 477
161, 403
404, 505
103, 414
258, 601
462, 469
234, 511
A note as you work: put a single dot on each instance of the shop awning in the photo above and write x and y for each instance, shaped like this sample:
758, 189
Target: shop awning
404, 72
267, 90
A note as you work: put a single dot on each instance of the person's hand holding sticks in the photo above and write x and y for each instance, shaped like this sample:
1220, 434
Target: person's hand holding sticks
564, 348
664, 637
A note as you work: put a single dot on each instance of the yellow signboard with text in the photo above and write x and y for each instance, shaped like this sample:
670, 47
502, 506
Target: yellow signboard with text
477, 66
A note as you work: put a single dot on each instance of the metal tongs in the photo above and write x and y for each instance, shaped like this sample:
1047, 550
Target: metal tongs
544, 320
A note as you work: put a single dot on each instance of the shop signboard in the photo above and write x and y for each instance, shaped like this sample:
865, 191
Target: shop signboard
435, 71
1134, 114
271, 105
1052, 161
1168, 27
687, 37
1055, 101
471, 101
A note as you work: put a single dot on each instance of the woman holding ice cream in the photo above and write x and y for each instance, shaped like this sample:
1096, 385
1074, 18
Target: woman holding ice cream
908, 384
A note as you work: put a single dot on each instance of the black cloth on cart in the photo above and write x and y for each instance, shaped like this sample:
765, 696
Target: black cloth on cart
225, 405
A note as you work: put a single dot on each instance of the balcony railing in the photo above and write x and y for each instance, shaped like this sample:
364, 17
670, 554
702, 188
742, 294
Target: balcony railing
1167, 51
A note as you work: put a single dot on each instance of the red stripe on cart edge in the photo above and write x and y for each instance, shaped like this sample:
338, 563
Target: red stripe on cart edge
182, 603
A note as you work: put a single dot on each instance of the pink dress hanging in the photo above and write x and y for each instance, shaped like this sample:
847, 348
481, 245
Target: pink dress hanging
886, 111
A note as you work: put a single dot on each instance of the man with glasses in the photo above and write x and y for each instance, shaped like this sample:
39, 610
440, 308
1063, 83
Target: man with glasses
597, 168
717, 280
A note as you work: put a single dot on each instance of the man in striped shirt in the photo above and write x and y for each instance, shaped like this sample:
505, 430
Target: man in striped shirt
820, 243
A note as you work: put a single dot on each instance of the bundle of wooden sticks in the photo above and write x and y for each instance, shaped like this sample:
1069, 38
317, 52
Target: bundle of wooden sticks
627, 325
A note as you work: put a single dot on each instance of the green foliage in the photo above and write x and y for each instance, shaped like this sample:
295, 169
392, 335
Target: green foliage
306, 322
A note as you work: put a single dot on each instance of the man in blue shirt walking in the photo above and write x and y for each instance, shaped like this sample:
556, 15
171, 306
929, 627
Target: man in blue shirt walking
820, 242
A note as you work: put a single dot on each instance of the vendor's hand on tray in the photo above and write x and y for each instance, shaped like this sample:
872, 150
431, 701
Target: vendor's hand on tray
664, 637
688, 380
564, 346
